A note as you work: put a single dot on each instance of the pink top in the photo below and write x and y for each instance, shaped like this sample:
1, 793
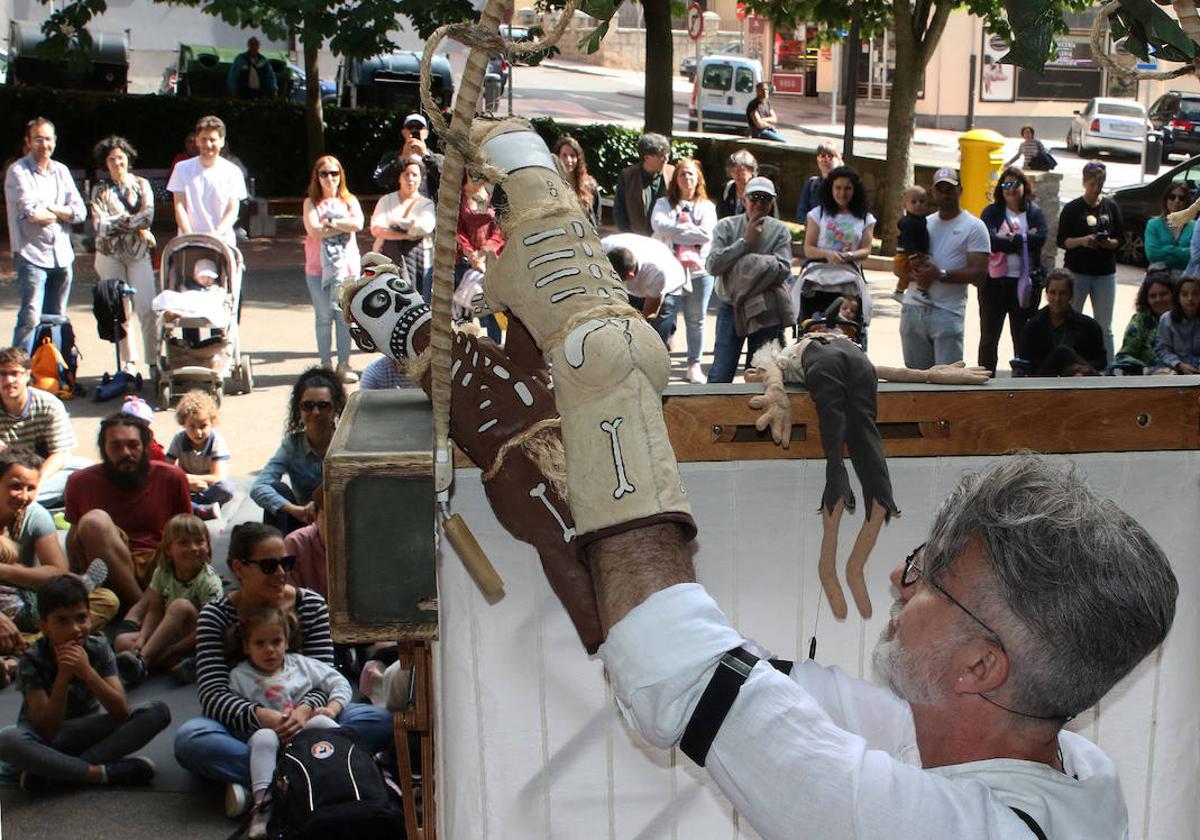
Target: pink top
309, 549
312, 244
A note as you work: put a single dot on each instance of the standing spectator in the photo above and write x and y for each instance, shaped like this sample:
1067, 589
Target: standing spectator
642, 184
42, 203
251, 75
651, 275
761, 116
1030, 148
749, 240
684, 219
1012, 289
332, 217
414, 131
119, 507
931, 326
480, 240
827, 160
36, 420
402, 222
1090, 230
317, 402
123, 212
1057, 340
1154, 297
1177, 347
189, 151
208, 189
741, 167
1163, 246
570, 154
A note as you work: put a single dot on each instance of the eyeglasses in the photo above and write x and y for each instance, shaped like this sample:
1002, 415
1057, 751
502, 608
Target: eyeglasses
913, 573
316, 405
760, 198
330, 173
270, 565
1011, 185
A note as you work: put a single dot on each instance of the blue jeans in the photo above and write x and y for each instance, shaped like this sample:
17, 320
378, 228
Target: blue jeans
1103, 290
206, 748
220, 492
769, 134
727, 346
695, 308
44, 291
930, 335
325, 317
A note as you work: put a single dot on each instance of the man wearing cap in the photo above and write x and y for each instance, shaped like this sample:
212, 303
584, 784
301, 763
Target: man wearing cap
414, 130
931, 329
651, 274
208, 189
755, 247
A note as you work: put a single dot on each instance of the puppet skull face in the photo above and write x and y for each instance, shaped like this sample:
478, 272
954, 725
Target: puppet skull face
387, 312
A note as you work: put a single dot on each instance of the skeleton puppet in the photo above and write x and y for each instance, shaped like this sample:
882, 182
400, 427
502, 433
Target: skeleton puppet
843, 384
503, 419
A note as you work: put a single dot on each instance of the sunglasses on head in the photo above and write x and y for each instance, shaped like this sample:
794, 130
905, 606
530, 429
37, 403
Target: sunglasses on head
270, 565
316, 405
761, 198
1094, 167
329, 173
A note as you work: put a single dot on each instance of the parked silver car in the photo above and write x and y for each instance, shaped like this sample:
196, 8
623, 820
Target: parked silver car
1111, 125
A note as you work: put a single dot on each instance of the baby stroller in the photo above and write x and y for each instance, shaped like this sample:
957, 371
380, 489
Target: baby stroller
821, 283
199, 341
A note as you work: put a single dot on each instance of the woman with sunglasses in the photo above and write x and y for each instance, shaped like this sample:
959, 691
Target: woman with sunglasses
1013, 288
317, 401
1090, 230
332, 217
214, 746
1163, 246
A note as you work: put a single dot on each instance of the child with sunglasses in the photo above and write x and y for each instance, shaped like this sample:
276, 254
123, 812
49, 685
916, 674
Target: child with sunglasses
271, 677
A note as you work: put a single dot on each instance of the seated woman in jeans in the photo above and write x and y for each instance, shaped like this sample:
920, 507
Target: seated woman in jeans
214, 746
318, 399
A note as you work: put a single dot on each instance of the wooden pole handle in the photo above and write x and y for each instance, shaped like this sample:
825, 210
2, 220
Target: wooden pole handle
478, 566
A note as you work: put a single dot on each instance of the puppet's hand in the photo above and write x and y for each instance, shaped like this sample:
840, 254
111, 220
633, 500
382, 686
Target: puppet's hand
775, 406
957, 374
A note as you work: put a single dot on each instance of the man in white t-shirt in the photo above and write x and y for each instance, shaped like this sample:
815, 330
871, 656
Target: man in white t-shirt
207, 188
651, 274
931, 329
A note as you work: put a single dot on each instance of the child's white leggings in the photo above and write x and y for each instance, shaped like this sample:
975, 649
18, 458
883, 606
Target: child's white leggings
264, 751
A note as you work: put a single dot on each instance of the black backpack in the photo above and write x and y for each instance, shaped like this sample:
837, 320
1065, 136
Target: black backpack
325, 786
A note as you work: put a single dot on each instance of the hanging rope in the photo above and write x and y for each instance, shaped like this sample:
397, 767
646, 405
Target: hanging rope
1100, 49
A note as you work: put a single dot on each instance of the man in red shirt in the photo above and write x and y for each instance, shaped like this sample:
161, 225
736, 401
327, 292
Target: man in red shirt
117, 508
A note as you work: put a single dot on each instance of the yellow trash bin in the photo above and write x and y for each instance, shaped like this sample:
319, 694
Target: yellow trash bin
982, 152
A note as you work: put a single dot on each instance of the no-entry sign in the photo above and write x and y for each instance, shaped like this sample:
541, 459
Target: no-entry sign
695, 21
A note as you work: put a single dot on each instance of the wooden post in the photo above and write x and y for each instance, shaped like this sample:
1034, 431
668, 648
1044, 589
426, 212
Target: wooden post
418, 719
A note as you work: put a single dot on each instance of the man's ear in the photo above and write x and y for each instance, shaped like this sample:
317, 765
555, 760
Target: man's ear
983, 668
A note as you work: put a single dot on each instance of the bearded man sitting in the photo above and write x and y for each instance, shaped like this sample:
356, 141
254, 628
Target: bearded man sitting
117, 508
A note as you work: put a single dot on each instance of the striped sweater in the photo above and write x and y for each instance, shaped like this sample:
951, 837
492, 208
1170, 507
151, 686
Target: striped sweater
217, 701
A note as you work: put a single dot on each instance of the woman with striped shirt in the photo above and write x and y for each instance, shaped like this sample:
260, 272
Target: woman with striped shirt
214, 746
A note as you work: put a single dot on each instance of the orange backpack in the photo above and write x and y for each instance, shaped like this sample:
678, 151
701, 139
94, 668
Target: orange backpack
49, 371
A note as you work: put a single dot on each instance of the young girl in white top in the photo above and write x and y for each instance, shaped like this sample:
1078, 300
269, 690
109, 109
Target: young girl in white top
279, 681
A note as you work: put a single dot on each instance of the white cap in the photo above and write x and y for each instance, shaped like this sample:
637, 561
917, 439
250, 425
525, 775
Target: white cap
205, 268
760, 185
946, 175
416, 118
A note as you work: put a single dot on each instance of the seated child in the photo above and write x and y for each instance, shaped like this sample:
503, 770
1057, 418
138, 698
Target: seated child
913, 241
66, 676
159, 631
202, 453
307, 545
137, 407
278, 681
204, 277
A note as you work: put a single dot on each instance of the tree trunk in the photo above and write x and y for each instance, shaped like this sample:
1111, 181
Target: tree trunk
314, 113
916, 37
660, 98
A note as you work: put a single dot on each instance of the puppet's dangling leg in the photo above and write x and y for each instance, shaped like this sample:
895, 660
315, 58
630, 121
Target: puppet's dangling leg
827, 565
863, 546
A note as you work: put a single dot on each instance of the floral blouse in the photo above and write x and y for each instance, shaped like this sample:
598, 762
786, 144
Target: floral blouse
123, 217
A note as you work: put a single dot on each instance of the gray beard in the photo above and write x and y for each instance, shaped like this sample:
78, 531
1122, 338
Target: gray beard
913, 677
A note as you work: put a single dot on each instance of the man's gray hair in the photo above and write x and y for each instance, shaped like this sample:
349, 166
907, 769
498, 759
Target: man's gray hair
1081, 592
743, 158
653, 145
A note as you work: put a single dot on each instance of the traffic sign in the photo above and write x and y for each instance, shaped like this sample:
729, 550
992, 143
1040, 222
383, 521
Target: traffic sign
695, 21
740, 11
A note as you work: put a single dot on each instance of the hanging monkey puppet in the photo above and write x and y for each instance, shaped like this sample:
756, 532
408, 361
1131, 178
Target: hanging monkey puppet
843, 384
503, 419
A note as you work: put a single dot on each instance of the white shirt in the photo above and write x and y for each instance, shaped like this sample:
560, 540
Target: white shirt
670, 230
1015, 223
819, 754
387, 213
659, 273
950, 240
207, 190
842, 232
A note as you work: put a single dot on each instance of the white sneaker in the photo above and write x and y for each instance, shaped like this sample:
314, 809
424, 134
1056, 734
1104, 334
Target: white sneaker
259, 821
695, 374
346, 375
237, 798
96, 574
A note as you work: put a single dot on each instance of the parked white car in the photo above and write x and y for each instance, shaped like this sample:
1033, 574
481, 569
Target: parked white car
1110, 125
